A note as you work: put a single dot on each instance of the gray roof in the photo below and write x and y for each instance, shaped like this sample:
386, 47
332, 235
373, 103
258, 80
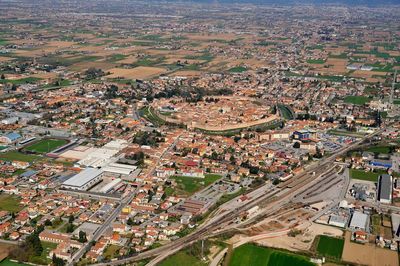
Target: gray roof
83, 177
385, 187
359, 220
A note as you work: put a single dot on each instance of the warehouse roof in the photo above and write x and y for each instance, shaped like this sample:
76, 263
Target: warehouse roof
83, 177
359, 220
385, 187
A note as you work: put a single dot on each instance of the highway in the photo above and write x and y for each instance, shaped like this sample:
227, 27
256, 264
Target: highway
223, 220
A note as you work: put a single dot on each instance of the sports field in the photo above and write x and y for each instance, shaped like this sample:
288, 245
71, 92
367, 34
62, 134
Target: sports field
330, 246
46, 145
252, 255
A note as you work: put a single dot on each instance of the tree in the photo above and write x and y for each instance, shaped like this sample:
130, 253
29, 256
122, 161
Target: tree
296, 145
3, 77
71, 219
47, 223
57, 261
82, 237
70, 228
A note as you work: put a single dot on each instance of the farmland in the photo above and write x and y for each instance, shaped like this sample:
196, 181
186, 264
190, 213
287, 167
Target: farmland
252, 255
330, 246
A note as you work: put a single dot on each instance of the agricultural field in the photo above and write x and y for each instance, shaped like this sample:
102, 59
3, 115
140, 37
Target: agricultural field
140, 72
362, 175
252, 255
10, 203
46, 145
330, 247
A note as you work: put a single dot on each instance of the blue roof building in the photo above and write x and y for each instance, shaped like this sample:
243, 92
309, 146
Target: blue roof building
10, 137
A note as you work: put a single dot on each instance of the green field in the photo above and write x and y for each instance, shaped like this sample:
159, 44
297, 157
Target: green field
112, 251
189, 185
238, 69
358, 100
46, 145
10, 203
252, 255
8, 262
362, 175
286, 112
20, 81
182, 258
17, 156
43, 259
330, 246
379, 149
316, 61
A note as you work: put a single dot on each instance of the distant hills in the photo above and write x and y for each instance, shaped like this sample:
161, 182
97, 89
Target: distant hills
299, 2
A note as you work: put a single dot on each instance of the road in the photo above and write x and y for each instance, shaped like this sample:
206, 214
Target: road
224, 220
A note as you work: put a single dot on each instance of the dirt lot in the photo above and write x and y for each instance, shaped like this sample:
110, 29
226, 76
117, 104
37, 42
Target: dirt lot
136, 73
187, 73
4, 250
368, 254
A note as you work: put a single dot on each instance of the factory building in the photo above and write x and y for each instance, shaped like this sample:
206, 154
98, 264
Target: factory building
84, 180
385, 189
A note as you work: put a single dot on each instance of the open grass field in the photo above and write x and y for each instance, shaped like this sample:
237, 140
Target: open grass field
43, 259
111, 251
238, 69
252, 255
8, 262
316, 61
17, 156
189, 185
330, 246
285, 111
45, 145
379, 149
182, 258
362, 175
9, 203
358, 100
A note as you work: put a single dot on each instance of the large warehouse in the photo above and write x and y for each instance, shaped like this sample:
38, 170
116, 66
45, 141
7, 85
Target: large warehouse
86, 179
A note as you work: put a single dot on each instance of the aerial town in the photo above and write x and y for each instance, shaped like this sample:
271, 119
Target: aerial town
199, 133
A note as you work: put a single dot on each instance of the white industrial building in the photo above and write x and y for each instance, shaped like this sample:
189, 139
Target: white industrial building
119, 169
359, 221
86, 179
101, 157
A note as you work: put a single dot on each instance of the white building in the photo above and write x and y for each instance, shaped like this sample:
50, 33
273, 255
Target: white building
84, 180
359, 221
